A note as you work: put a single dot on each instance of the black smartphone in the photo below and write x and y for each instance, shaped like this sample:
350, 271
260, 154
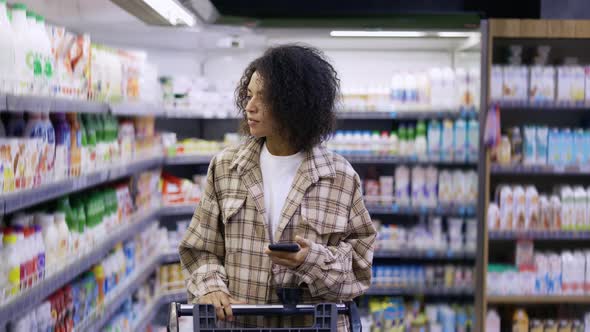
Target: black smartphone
285, 247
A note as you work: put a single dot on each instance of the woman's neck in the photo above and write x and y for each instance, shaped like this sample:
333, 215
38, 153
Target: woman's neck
277, 146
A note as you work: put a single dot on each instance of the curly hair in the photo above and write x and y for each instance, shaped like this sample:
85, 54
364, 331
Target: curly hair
300, 89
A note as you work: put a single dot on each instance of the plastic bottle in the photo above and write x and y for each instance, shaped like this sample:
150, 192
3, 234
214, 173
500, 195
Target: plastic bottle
403, 141
393, 144
7, 75
50, 146
63, 236
91, 135
410, 151
85, 166
460, 141
75, 144
31, 271
80, 211
51, 240
22, 48
16, 124
384, 144
434, 140
472, 140
45, 55
40, 251
23, 255
35, 126
447, 141
62, 146
99, 276
11, 261
63, 206
420, 144
34, 57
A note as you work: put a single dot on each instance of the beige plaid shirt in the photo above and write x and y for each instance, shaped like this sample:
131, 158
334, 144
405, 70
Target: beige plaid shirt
222, 249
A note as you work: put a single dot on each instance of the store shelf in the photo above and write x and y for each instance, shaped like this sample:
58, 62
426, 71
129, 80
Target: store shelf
459, 211
137, 109
13, 103
22, 199
423, 255
406, 115
375, 291
188, 160
121, 293
179, 210
163, 299
538, 170
170, 257
538, 299
539, 235
536, 107
395, 160
32, 297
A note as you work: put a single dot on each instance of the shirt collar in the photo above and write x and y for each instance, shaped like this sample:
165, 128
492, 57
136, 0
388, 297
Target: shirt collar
316, 164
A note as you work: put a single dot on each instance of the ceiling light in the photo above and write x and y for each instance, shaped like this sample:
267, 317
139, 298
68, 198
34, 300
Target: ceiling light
455, 34
172, 11
158, 12
402, 34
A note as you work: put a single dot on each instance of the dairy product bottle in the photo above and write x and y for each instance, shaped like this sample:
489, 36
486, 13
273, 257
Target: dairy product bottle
40, 251
420, 144
45, 55
22, 49
51, 241
460, 141
447, 141
50, 132
63, 234
34, 60
11, 262
62, 146
434, 140
7, 74
472, 140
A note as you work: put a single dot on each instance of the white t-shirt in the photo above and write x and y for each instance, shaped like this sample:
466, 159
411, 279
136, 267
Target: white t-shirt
278, 173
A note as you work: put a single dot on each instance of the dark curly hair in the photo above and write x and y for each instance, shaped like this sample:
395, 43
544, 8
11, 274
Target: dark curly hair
300, 88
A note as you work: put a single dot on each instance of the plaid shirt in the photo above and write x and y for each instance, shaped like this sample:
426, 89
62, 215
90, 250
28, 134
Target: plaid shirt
222, 249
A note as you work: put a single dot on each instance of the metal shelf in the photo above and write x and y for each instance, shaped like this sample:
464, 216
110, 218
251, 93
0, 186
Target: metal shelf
13, 103
137, 108
535, 107
376, 291
188, 159
32, 297
122, 292
18, 200
459, 211
539, 235
395, 160
538, 299
526, 170
170, 257
178, 210
423, 255
163, 299
406, 115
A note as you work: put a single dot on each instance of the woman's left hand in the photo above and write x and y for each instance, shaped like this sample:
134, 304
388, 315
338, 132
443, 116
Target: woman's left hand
291, 260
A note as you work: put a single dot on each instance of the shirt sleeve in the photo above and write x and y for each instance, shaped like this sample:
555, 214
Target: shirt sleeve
342, 272
202, 249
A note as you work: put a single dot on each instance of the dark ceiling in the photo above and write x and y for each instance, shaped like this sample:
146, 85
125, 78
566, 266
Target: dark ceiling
262, 9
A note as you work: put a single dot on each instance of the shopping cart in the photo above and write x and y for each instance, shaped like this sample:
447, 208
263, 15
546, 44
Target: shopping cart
326, 316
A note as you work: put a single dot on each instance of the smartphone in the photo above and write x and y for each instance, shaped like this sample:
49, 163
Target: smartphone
285, 247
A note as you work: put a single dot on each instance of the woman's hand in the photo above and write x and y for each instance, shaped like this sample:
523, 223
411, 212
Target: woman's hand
291, 260
222, 303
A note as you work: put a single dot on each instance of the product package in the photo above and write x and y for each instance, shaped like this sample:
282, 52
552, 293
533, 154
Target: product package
542, 84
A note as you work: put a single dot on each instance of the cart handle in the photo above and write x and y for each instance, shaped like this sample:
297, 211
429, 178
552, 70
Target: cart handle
263, 309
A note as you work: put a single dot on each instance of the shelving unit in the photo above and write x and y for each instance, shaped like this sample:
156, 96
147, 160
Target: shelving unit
426, 255
448, 211
22, 199
562, 36
539, 299
460, 292
33, 296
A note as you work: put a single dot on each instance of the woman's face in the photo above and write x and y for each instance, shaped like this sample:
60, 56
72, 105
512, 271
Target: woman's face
259, 117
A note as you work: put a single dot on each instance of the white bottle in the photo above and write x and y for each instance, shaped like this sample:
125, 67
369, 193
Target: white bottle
51, 240
450, 89
63, 235
7, 75
22, 47
492, 321
34, 60
46, 57
11, 263
40, 251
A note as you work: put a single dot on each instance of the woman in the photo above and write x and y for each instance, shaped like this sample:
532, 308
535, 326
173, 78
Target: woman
280, 185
